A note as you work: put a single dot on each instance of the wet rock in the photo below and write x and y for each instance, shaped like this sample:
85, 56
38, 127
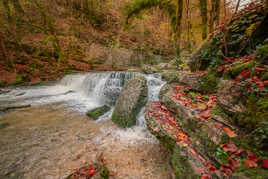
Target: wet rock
97, 112
230, 95
149, 69
132, 98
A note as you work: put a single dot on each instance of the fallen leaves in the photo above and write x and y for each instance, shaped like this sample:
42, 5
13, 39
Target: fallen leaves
234, 161
264, 163
250, 164
167, 121
229, 132
229, 147
87, 172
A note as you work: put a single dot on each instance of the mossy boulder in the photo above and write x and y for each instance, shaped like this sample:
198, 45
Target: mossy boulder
240, 67
230, 97
147, 69
132, 98
97, 112
205, 83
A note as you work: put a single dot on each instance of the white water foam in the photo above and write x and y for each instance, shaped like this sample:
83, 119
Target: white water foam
83, 92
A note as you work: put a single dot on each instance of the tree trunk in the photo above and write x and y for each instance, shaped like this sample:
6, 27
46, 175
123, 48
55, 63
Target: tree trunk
178, 27
204, 15
214, 14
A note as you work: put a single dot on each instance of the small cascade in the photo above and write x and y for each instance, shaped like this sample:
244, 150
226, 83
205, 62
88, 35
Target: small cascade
84, 91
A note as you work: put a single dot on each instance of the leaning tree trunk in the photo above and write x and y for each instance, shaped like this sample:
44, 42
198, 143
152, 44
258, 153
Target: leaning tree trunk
204, 15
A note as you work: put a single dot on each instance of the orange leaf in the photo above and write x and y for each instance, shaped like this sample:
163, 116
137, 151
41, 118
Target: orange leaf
112, 174
206, 176
199, 170
229, 132
192, 151
250, 164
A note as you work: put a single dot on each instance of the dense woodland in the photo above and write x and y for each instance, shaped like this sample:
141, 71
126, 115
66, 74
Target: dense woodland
91, 34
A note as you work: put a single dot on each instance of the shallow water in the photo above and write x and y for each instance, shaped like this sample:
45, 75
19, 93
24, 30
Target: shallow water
54, 137
51, 141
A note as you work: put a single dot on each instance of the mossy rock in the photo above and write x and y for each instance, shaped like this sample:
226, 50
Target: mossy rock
170, 77
97, 112
132, 98
209, 83
240, 67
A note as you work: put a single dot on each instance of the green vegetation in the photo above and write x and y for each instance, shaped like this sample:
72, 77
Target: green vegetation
96, 113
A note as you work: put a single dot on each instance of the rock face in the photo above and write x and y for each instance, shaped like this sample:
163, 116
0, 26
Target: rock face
229, 97
189, 79
132, 98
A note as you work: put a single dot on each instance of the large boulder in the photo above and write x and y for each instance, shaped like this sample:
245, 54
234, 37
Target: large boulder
203, 82
132, 98
230, 97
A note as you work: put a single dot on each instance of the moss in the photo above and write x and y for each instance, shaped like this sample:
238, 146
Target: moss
209, 83
240, 67
257, 111
181, 165
218, 111
261, 52
264, 76
192, 95
171, 77
96, 113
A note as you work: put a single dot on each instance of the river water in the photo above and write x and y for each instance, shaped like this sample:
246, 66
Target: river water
54, 137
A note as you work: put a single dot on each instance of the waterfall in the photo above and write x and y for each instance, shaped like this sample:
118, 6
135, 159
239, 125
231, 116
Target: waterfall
84, 91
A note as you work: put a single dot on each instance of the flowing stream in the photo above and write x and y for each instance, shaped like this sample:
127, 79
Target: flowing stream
54, 137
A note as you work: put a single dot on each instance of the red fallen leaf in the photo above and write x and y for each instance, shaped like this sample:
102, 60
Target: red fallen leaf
192, 151
206, 176
265, 83
219, 125
208, 164
234, 163
112, 174
252, 156
240, 151
250, 164
246, 73
199, 170
201, 159
212, 169
264, 163
229, 147
225, 169
229, 132
205, 114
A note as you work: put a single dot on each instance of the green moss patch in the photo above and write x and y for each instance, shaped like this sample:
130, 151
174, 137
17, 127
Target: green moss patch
97, 112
